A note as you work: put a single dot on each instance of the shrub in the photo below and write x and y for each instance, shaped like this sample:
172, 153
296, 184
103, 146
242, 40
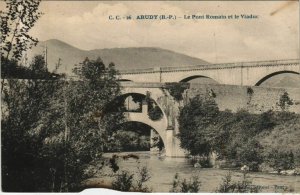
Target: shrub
285, 101
130, 182
123, 182
280, 160
179, 185
155, 113
250, 91
243, 186
143, 176
176, 89
249, 154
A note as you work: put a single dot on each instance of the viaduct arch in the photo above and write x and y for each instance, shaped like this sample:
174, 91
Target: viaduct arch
196, 77
274, 74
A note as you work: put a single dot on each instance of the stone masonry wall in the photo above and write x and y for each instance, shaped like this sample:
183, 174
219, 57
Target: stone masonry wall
254, 99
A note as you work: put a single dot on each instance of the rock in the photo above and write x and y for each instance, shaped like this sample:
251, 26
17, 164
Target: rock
297, 171
197, 165
245, 168
288, 172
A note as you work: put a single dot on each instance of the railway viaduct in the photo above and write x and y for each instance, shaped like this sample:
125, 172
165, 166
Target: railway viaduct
242, 73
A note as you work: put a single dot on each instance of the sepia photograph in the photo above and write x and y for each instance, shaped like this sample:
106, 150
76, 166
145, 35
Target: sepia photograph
150, 96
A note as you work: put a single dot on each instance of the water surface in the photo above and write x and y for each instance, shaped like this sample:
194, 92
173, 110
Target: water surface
163, 169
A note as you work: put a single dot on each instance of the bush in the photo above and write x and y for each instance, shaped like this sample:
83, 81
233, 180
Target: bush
243, 186
285, 101
280, 160
128, 182
191, 186
176, 89
155, 113
143, 176
250, 154
123, 182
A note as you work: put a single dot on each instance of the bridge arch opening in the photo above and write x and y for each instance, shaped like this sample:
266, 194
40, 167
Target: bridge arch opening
129, 102
136, 136
136, 102
199, 79
280, 79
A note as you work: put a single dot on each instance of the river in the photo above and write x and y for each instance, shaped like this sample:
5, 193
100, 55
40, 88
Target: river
163, 170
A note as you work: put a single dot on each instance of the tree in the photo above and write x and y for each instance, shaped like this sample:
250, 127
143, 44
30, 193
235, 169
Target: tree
19, 17
38, 64
53, 130
285, 101
89, 126
193, 120
24, 104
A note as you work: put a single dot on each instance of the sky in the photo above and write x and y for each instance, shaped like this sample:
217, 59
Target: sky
86, 25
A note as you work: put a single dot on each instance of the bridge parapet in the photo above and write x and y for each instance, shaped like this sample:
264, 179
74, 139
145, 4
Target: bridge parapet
142, 85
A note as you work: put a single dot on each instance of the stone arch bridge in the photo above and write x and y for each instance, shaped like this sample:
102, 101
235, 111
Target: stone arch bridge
166, 126
227, 97
234, 80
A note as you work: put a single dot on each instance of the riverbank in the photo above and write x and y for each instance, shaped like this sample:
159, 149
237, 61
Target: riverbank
163, 169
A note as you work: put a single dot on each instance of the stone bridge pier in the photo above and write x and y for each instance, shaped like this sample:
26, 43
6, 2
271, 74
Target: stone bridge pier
165, 127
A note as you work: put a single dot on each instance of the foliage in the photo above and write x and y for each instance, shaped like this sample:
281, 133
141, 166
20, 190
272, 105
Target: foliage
24, 166
176, 90
285, 101
241, 137
16, 22
11, 69
191, 186
250, 91
129, 136
158, 142
249, 154
243, 186
38, 65
132, 182
53, 129
194, 120
283, 140
123, 182
143, 176
280, 160
124, 140
155, 113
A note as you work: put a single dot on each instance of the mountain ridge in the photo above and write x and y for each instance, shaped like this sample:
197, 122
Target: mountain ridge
123, 58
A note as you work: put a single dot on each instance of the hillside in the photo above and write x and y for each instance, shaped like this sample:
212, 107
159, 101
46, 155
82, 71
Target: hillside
124, 58
283, 80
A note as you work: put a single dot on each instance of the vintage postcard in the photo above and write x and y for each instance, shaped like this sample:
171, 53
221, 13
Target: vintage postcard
150, 96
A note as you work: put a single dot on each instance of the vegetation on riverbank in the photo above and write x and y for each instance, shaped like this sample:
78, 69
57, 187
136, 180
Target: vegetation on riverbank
269, 139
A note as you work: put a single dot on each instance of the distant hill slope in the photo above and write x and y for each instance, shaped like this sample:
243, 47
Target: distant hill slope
124, 58
283, 80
